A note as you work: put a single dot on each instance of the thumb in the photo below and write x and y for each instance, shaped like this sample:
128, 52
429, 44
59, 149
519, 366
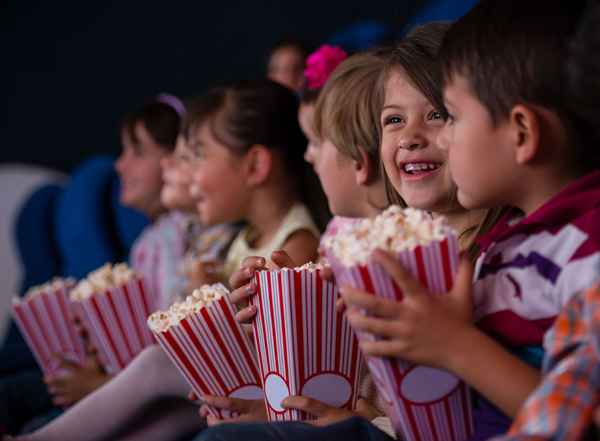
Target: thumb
282, 259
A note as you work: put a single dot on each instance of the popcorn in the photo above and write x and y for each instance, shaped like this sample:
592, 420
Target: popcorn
161, 321
311, 266
102, 279
56, 284
394, 230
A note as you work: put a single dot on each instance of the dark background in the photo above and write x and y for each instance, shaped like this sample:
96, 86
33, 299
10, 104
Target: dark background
74, 68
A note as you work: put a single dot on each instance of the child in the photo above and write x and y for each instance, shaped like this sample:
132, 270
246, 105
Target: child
248, 167
510, 142
123, 399
286, 64
562, 407
345, 158
148, 135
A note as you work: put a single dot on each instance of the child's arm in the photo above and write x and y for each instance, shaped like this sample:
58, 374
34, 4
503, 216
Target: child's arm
301, 247
437, 331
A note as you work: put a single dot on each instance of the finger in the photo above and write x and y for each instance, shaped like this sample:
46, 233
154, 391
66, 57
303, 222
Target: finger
243, 293
204, 412
403, 278
246, 315
246, 271
373, 325
212, 420
192, 396
218, 402
371, 304
340, 306
282, 259
309, 405
383, 348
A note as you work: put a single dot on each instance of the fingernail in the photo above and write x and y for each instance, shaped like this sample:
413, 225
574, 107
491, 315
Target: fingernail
250, 288
262, 261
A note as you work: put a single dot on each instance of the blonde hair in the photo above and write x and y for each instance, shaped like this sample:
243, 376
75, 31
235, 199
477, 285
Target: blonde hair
348, 108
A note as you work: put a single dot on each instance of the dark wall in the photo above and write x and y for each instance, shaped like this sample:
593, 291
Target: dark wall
74, 68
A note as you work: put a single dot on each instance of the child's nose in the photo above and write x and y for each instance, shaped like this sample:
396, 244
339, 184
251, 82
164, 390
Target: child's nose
412, 142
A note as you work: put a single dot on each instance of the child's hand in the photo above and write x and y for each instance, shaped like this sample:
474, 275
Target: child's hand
422, 328
325, 413
244, 410
243, 282
199, 272
72, 382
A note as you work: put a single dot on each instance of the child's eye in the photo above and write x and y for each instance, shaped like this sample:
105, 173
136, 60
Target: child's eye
393, 119
436, 115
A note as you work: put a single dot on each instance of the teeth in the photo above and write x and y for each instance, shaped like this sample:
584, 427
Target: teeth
412, 167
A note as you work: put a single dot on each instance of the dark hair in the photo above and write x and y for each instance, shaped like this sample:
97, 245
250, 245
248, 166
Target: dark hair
263, 112
417, 57
161, 120
583, 73
513, 52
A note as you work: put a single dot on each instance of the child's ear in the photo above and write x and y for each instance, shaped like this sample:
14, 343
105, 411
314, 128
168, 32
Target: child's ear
258, 163
525, 128
365, 170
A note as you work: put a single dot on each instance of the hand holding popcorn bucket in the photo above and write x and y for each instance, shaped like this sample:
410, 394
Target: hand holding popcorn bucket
208, 346
305, 346
425, 404
46, 319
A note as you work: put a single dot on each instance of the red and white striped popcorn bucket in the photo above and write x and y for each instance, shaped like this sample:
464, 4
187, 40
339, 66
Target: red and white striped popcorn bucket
214, 354
425, 404
116, 322
305, 346
46, 322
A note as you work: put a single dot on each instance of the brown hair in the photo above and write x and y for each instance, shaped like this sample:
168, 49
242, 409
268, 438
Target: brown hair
161, 120
348, 107
416, 57
248, 113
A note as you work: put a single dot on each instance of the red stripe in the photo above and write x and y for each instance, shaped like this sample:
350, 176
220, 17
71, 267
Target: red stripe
299, 329
136, 324
39, 322
273, 330
198, 346
397, 291
28, 331
366, 278
340, 320
242, 342
422, 273
107, 332
282, 311
446, 264
432, 424
75, 337
320, 318
61, 342
411, 419
466, 410
449, 420
142, 289
117, 314
183, 359
217, 336
261, 318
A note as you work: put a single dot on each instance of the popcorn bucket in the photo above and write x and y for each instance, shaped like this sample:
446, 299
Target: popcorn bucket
116, 322
305, 346
46, 322
425, 404
214, 354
